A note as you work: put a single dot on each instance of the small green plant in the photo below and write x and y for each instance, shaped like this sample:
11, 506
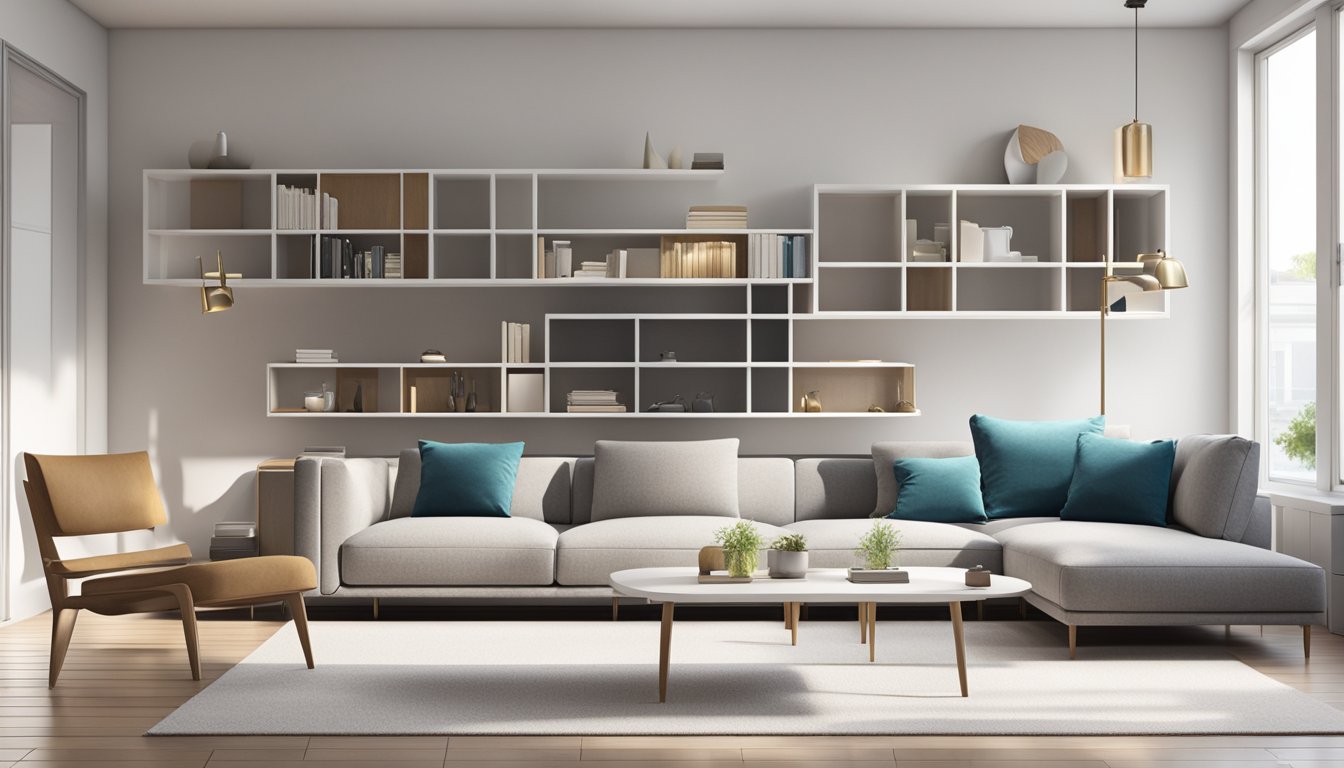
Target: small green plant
742, 545
1298, 441
790, 542
879, 545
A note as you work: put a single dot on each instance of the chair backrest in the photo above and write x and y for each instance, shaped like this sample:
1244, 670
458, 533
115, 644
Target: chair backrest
82, 495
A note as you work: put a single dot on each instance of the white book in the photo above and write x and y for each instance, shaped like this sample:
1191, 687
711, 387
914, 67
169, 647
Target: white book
504, 341
517, 341
527, 343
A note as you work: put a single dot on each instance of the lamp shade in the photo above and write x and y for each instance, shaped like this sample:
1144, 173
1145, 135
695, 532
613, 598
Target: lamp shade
1136, 150
216, 298
1169, 272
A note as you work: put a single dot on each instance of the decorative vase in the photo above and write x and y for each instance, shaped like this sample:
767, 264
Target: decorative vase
741, 564
1034, 155
471, 398
787, 565
652, 160
674, 158
811, 402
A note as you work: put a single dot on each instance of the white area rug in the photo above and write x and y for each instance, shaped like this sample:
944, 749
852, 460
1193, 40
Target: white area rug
593, 677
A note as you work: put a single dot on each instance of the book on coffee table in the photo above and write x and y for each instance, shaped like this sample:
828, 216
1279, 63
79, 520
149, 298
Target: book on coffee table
888, 576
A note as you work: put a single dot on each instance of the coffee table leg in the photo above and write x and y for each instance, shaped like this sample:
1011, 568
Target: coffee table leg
959, 639
788, 615
863, 623
664, 651
872, 631
793, 620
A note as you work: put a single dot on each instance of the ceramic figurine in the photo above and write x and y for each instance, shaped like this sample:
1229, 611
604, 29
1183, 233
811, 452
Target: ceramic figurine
652, 160
1034, 155
674, 158
811, 402
471, 398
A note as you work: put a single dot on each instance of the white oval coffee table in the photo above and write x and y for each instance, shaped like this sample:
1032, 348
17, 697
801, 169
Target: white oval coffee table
670, 586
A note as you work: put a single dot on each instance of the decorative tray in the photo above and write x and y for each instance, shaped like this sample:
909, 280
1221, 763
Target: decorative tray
888, 576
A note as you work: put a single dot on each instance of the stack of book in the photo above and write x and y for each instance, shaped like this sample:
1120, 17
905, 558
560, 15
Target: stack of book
705, 259
324, 451
337, 258
315, 356
392, 266
717, 217
594, 401
707, 161
591, 269
233, 540
295, 208
517, 342
776, 256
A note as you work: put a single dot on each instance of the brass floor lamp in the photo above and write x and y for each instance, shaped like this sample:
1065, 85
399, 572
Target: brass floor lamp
1160, 273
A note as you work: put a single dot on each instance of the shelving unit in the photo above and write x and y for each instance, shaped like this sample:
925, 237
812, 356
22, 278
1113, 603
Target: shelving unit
452, 227
747, 359
1079, 233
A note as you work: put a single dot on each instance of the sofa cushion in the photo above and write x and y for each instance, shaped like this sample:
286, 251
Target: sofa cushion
588, 554
1113, 567
466, 479
1026, 466
1213, 484
832, 543
541, 491
1120, 481
664, 478
884, 454
939, 490
450, 551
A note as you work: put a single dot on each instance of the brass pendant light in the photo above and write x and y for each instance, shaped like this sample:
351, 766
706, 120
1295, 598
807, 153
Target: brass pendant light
1136, 139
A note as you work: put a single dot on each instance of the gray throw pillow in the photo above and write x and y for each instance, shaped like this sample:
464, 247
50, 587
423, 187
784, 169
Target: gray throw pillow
1213, 484
885, 453
646, 479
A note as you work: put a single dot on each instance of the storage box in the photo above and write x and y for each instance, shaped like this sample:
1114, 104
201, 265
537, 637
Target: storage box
525, 392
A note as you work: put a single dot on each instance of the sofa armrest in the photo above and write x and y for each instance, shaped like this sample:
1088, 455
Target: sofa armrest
351, 495
308, 510
1259, 532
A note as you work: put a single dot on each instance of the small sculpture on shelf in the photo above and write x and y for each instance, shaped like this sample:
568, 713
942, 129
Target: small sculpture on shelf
652, 160
471, 398
1034, 155
811, 402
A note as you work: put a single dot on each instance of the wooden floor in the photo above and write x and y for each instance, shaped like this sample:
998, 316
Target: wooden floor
125, 674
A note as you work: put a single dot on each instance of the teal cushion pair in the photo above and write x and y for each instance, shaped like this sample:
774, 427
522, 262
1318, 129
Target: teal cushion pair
1026, 467
466, 479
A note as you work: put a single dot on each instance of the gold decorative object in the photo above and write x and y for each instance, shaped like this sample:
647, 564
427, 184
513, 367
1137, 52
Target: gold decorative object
875, 408
1136, 138
711, 559
811, 402
905, 406
216, 298
1160, 273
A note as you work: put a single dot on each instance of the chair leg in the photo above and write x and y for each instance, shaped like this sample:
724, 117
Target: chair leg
62, 628
295, 604
188, 608
1306, 641
1073, 641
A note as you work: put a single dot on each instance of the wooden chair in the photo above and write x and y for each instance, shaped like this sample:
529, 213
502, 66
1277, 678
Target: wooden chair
83, 495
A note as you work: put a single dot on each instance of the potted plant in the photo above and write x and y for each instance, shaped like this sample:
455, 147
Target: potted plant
742, 545
787, 558
878, 547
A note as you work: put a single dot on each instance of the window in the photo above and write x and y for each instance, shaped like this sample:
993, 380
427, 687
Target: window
1286, 256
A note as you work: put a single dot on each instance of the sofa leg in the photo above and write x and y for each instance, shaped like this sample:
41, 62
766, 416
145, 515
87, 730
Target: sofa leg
375, 608
1073, 641
1306, 641
615, 607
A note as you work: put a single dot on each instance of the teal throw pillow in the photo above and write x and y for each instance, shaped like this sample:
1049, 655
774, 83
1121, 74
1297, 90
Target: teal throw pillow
938, 490
1026, 466
466, 479
1120, 481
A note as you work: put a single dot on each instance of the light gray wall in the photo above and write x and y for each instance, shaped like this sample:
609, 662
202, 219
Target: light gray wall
788, 109
69, 43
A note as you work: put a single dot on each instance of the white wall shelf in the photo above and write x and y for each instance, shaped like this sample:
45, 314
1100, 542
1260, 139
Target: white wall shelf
1079, 233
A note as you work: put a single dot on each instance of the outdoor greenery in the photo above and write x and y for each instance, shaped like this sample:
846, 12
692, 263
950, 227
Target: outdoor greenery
1304, 266
1299, 440
790, 542
742, 545
879, 545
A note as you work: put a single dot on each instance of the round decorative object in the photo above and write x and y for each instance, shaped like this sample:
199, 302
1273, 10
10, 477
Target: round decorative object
875, 408
1034, 156
786, 565
811, 402
905, 406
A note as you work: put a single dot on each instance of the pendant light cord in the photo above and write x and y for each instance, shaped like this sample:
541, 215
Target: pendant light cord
1136, 63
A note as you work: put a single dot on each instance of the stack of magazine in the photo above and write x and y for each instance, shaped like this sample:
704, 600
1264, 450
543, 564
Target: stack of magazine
233, 540
594, 401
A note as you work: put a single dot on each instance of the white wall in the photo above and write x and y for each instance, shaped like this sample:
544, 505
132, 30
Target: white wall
842, 106
66, 41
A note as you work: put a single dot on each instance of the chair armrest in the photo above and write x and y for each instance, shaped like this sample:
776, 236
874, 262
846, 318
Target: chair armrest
77, 568
353, 496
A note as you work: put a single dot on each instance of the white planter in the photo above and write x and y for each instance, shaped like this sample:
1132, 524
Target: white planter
787, 565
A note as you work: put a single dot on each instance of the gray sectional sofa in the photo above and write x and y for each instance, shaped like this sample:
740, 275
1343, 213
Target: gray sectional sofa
353, 520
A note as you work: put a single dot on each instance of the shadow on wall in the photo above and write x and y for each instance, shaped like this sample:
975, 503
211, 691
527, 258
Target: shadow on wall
32, 559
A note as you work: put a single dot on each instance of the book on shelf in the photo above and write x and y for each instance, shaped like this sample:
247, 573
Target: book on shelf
595, 408
516, 342
314, 356
242, 528
392, 266
717, 217
295, 207
541, 256
324, 451
593, 397
698, 259
591, 269
434, 358
331, 210
564, 258
773, 256
707, 161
